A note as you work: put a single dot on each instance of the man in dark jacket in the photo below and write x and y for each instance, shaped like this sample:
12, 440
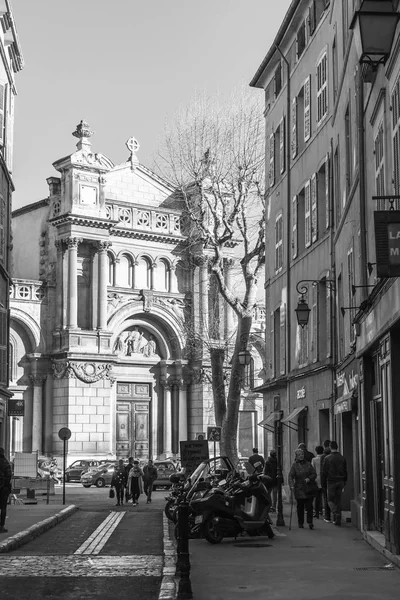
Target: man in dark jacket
150, 475
257, 461
334, 476
271, 469
5, 488
327, 510
119, 481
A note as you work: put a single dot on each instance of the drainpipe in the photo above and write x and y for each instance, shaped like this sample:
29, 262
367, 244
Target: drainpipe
280, 521
333, 300
362, 186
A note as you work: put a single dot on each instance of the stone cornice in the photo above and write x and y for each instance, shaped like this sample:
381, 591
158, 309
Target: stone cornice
147, 236
83, 221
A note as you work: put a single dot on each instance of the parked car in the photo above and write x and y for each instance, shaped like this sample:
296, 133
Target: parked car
75, 470
99, 475
165, 468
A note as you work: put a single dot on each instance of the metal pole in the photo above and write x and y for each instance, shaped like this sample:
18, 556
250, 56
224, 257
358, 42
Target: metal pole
183, 563
48, 489
279, 477
65, 466
215, 448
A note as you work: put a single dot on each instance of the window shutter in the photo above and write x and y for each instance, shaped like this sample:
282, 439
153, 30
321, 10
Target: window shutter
328, 321
272, 347
3, 229
271, 160
282, 360
307, 108
295, 245
307, 214
327, 205
2, 111
312, 18
294, 127
314, 313
282, 145
314, 208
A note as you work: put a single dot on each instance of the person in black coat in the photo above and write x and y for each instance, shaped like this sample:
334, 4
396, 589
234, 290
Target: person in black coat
257, 461
271, 469
119, 480
5, 488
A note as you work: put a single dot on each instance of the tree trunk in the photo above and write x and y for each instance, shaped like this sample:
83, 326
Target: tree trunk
230, 426
217, 356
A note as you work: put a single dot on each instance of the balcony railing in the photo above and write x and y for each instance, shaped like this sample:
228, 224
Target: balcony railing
28, 290
145, 219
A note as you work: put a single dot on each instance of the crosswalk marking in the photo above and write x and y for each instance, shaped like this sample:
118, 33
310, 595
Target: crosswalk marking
97, 540
148, 565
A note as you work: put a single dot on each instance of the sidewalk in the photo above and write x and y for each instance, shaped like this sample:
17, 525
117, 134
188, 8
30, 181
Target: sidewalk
326, 563
24, 522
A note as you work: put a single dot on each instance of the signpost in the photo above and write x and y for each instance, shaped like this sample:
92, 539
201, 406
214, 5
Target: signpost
387, 242
193, 453
214, 435
64, 434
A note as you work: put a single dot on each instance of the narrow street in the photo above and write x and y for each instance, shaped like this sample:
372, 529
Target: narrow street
99, 551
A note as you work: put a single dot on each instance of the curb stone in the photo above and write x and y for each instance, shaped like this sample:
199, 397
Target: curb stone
169, 583
23, 537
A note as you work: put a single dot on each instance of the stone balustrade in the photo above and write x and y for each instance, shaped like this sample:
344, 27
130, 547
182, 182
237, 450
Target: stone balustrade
138, 218
28, 290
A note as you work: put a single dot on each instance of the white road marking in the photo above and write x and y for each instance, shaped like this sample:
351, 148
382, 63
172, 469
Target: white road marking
148, 565
97, 540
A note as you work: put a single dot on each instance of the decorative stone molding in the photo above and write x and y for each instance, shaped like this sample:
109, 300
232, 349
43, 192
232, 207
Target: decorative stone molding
73, 242
60, 245
37, 380
147, 297
89, 372
102, 245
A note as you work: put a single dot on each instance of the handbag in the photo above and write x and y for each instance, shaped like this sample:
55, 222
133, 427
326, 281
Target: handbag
311, 489
111, 493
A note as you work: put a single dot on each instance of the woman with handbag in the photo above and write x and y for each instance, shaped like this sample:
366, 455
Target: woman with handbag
302, 477
135, 482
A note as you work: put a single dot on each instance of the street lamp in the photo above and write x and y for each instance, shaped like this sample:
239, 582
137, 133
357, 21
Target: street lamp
244, 358
303, 310
374, 26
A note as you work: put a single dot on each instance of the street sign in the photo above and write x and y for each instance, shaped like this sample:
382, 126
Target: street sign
15, 407
387, 242
64, 433
214, 434
193, 453
200, 436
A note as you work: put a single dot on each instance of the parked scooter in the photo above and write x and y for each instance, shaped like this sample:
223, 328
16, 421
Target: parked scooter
232, 509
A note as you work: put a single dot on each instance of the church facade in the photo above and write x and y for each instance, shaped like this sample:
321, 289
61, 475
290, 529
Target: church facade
104, 294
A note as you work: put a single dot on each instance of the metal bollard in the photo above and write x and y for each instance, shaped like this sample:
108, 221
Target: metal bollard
183, 562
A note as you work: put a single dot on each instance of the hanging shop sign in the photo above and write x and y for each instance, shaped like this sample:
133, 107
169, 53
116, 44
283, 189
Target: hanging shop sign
16, 408
346, 384
387, 243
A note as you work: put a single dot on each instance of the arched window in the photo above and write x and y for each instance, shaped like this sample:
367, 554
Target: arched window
162, 279
143, 274
111, 270
125, 271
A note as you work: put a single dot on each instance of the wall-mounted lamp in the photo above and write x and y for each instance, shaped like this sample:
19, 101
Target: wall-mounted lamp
244, 358
303, 310
374, 26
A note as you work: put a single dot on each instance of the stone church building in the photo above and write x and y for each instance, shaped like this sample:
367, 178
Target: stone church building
104, 289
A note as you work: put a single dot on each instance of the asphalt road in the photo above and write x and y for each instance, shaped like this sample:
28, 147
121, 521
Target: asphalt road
101, 551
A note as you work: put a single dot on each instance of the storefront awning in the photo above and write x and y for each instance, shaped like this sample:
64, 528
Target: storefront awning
345, 403
289, 421
268, 422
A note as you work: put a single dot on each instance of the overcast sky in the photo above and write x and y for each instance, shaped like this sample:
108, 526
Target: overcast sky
124, 66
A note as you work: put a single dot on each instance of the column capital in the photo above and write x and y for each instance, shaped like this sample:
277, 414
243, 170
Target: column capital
60, 245
37, 380
102, 245
73, 242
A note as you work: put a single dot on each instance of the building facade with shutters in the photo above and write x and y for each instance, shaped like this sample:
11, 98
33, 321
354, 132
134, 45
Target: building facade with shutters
11, 62
295, 77
105, 295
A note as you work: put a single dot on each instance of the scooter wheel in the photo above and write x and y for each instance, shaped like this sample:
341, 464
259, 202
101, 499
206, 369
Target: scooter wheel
170, 510
211, 532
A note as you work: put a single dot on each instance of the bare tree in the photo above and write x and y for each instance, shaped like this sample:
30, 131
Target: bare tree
213, 154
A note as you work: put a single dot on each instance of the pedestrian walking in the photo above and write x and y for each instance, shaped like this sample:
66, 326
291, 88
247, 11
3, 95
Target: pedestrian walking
119, 481
307, 454
271, 469
128, 468
135, 482
327, 510
316, 463
149, 477
5, 488
257, 461
334, 475
301, 474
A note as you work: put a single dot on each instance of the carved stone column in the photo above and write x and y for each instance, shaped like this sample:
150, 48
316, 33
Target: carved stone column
37, 412
183, 424
60, 245
102, 286
230, 319
167, 450
72, 312
173, 285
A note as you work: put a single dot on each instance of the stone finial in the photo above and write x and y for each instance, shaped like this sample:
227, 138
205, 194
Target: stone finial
83, 133
133, 146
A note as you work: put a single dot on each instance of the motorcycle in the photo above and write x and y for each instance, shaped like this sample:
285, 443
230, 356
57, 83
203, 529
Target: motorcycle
231, 509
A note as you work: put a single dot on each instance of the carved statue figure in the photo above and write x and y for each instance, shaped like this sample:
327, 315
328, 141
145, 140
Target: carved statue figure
150, 348
133, 341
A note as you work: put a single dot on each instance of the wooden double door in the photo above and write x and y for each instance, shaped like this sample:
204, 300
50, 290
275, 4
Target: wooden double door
133, 420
